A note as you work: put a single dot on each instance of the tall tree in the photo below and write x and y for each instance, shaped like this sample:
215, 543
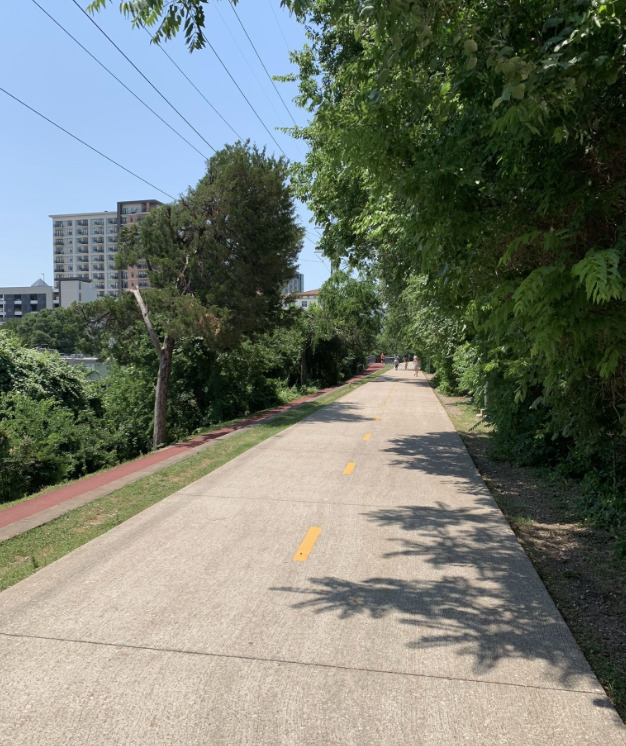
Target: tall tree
217, 259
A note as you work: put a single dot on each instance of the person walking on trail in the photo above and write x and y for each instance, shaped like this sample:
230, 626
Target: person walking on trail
406, 362
416, 365
396, 362
382, 358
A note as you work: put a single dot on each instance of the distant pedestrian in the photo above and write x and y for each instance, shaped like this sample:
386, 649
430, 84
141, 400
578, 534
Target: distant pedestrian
406, 362
382, 358
416, 365
396, 362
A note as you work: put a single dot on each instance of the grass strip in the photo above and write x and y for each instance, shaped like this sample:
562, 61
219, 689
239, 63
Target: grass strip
24, 554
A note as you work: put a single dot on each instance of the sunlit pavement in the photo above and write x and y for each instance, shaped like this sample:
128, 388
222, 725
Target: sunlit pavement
349, 581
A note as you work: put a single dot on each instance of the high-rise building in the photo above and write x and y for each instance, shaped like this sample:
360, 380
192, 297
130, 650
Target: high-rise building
295, 285
85, 247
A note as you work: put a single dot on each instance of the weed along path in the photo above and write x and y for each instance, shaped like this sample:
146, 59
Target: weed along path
347, 581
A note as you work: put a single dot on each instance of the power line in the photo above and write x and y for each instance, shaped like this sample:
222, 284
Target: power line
308, 237
193, 85
167, 101
243, 56
269, 2
212, 48
95, 150
232, 7
104, 67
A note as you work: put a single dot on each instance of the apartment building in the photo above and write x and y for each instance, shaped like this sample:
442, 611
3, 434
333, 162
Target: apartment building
85, 246
295, 285
16, 302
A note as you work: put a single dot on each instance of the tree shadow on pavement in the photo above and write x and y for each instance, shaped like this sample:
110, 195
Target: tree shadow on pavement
437, 453
337, 412
480, 599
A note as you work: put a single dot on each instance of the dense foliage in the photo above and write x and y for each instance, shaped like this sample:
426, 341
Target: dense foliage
50, 426
476, 154
58, 329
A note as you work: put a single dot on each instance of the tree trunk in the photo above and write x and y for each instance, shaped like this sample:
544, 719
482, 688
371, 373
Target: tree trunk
165, 352
160, 400
303, 370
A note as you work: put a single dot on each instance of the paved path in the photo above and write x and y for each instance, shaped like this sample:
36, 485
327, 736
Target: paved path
44, 508
416, 618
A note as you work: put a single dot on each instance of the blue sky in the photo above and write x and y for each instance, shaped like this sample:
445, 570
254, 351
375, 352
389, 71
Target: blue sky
45, 172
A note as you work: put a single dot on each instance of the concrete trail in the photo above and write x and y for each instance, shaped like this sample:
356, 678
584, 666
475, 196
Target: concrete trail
218, 617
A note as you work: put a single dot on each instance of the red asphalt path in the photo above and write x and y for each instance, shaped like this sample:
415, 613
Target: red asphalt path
60, 495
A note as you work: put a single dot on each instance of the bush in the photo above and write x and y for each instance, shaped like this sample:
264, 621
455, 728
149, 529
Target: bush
43, 442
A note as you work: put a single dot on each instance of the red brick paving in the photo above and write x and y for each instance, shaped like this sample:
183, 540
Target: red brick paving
60, 495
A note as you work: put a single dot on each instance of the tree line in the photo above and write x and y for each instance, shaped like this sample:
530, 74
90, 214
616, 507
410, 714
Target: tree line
210, 341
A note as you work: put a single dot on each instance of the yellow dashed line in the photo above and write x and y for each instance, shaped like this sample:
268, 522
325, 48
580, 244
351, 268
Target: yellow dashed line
349, 468
307, 544
367, 436
377, 419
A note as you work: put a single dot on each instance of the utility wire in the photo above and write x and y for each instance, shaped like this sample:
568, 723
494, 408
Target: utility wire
192, 84
113, 75
232, 7
95, 150
269, 2
244, 57
212, 48
171, 105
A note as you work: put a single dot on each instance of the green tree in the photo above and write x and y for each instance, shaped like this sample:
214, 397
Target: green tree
217, 259
59, 329
352, 306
